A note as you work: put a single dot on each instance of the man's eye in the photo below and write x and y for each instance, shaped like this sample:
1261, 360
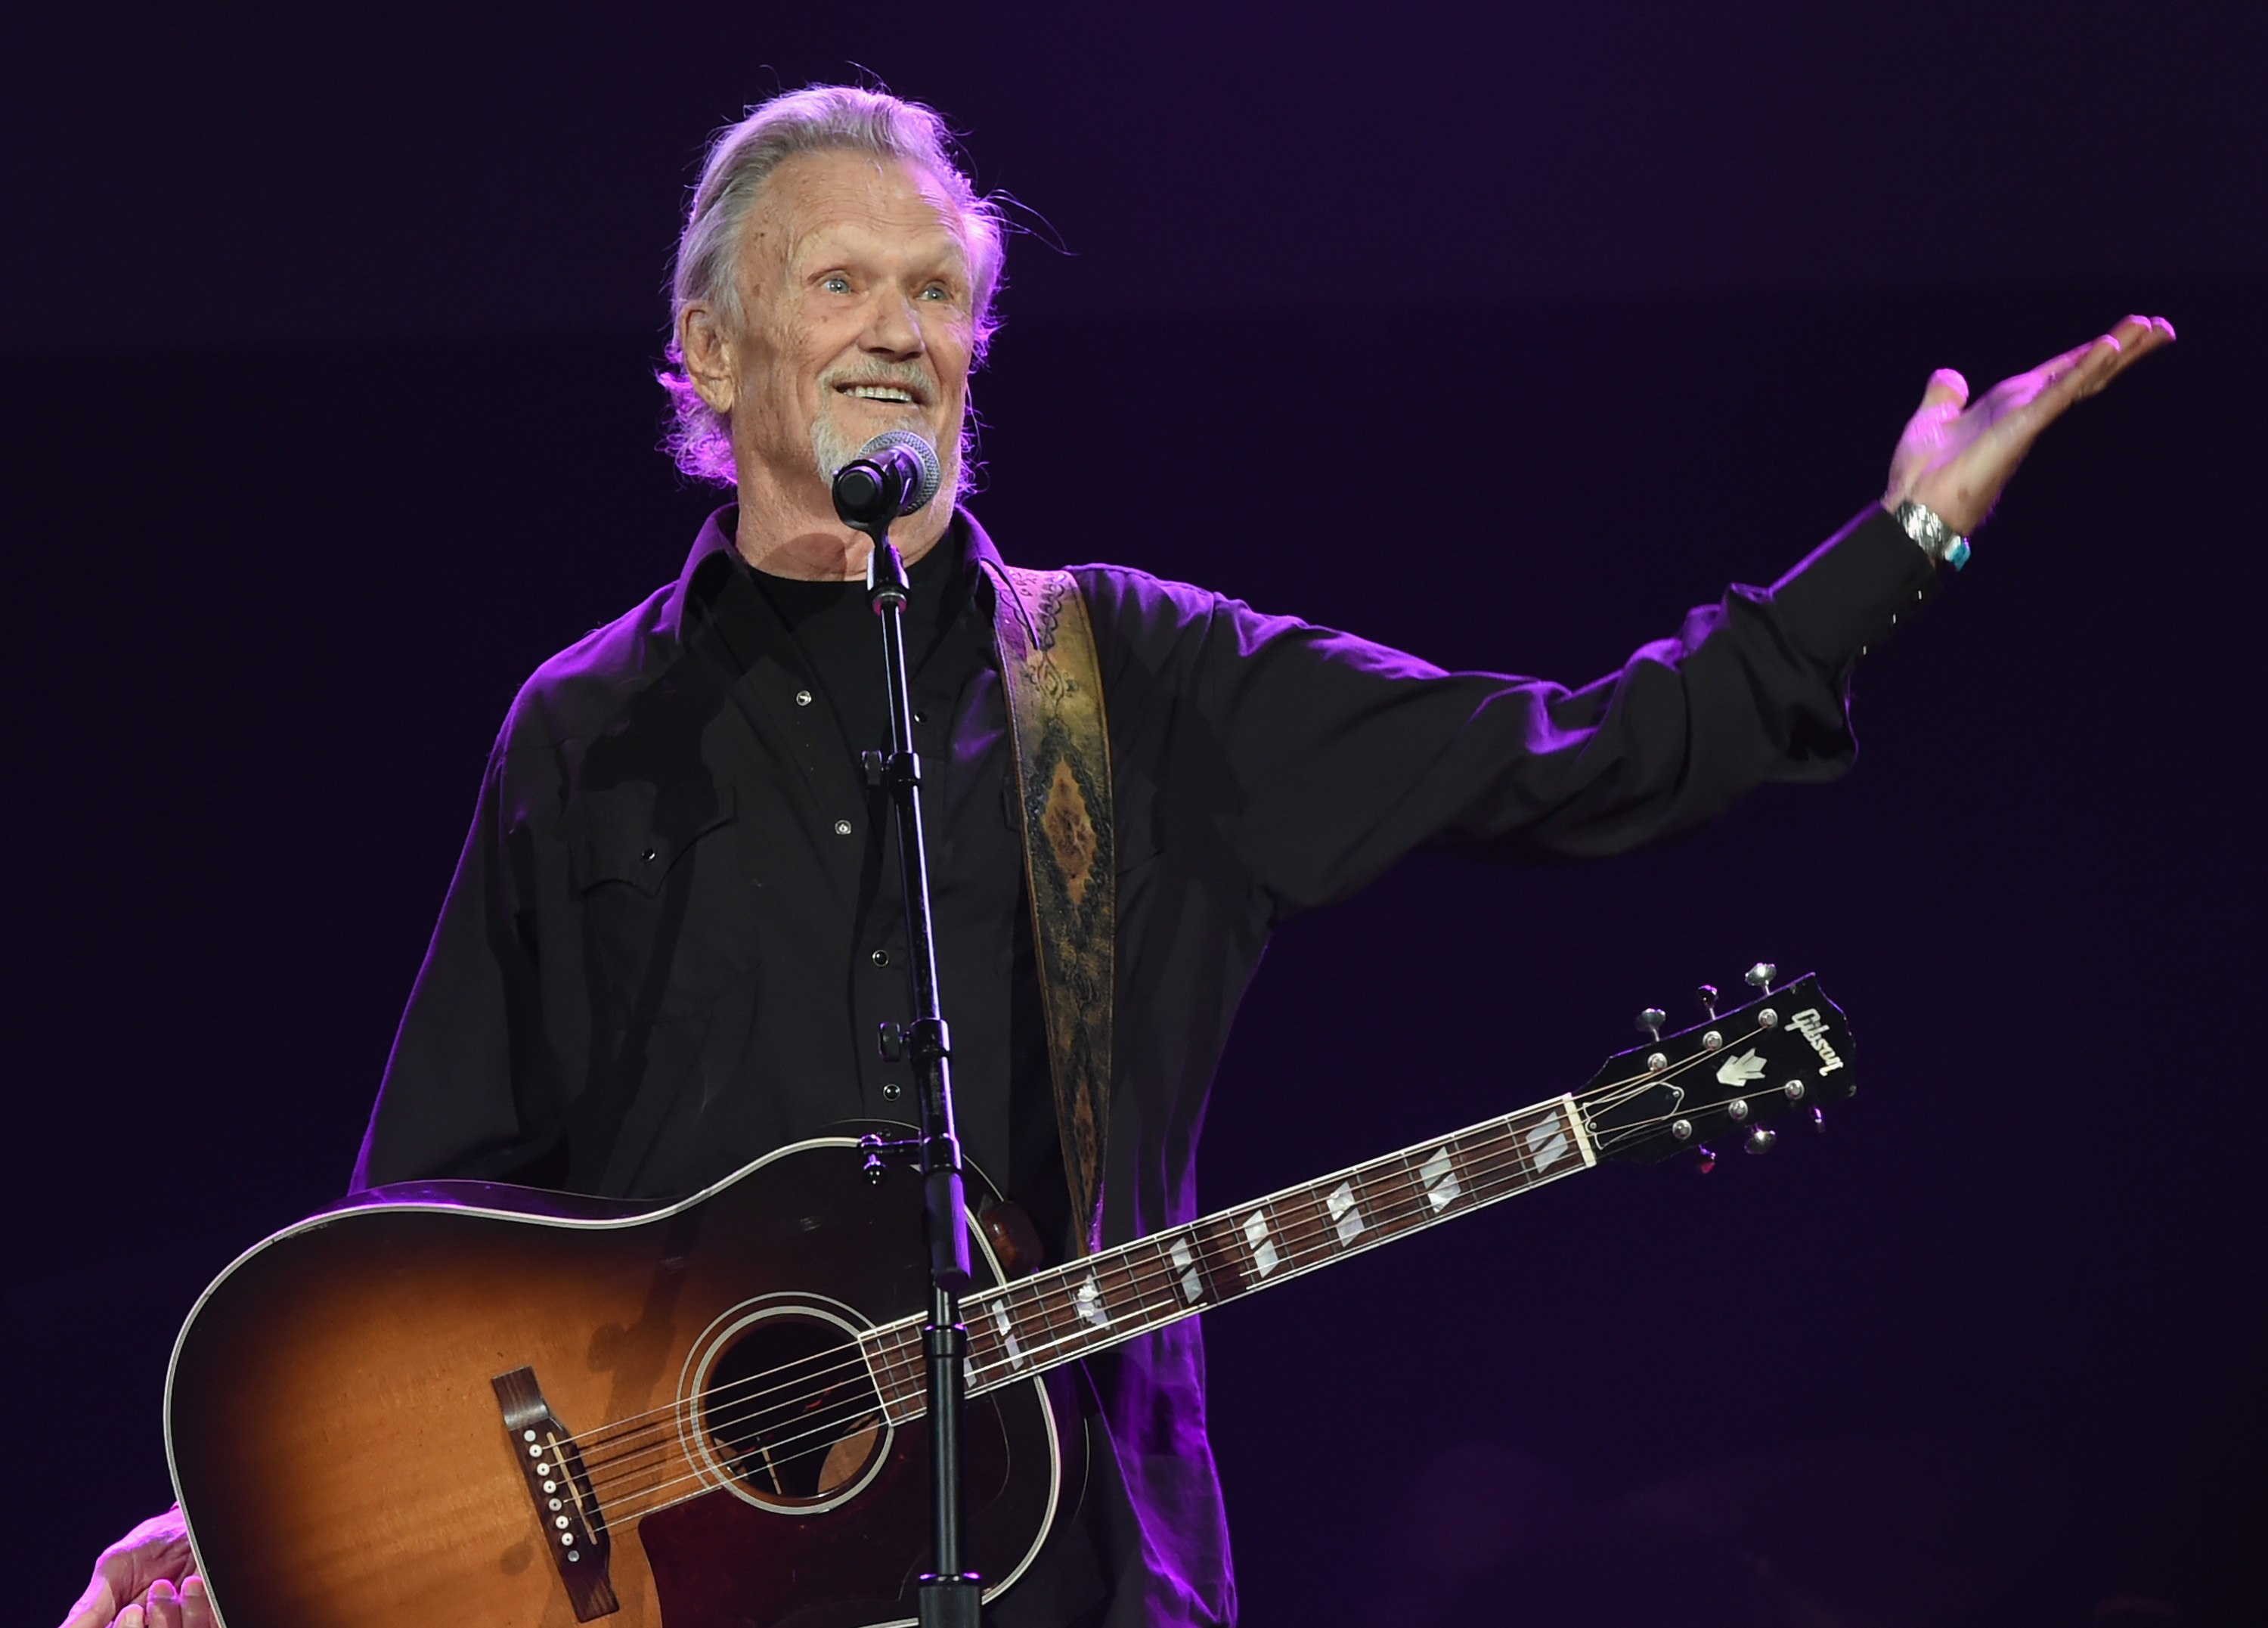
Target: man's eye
835, 285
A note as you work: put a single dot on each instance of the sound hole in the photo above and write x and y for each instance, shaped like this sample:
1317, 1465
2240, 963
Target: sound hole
789, 1411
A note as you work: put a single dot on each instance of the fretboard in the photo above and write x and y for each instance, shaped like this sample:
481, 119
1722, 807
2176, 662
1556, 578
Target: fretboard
1024, 1328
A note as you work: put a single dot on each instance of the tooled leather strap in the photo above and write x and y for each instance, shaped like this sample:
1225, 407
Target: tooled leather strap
1062, 742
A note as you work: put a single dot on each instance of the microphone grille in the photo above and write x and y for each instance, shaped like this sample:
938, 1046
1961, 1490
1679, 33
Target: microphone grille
925, 457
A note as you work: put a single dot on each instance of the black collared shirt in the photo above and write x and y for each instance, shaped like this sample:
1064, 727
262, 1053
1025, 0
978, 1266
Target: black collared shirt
672, 932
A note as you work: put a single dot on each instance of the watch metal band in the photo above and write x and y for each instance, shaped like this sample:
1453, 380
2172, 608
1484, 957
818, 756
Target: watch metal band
1938, 540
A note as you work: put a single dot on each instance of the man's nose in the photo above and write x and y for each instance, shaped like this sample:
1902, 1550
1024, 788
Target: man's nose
891, 330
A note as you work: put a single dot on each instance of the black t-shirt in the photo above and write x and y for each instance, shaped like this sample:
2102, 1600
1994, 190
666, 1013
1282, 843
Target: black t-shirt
840, 634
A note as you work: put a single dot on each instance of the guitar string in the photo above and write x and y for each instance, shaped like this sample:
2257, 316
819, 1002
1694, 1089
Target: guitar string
615, 1431
1318, 1245
897, 1363
822, 1431
1308, 1244
894, 1363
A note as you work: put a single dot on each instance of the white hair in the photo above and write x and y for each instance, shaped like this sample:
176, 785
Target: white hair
823, 118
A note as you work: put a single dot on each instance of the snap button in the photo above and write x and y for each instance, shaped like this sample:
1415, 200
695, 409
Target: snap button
920, 717
803, 697
649, 853
892, 1090
842, 828
881, 958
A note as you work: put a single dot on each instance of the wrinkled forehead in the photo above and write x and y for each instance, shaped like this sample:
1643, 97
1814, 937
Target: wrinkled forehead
829, 203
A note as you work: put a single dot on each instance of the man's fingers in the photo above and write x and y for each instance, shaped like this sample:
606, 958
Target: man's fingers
2088, 369
2136, 336
164, 1607
196, 1604
2156, 330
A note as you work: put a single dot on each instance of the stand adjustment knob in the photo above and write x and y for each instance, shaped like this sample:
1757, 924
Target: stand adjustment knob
890, 1041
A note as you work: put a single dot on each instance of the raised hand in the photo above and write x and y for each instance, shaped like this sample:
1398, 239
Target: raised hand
1956, 455
137, 1582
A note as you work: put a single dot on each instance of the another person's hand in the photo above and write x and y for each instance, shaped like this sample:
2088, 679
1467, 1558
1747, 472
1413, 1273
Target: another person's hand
139, 1581
1955, 456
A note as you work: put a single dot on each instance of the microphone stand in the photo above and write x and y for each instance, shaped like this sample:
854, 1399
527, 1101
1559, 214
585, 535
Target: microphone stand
868, 499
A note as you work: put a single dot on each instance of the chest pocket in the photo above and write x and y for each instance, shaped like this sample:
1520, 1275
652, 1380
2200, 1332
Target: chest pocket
653, 880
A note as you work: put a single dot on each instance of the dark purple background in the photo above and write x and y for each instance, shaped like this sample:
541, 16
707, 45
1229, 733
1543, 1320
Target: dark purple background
325, 340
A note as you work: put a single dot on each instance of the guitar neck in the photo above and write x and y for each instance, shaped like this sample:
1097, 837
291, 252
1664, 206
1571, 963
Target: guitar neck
1043, 1322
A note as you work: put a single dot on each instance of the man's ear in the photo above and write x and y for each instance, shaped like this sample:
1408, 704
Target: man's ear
708, 353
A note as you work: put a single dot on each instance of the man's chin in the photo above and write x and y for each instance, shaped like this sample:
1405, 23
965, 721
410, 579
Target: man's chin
837, 438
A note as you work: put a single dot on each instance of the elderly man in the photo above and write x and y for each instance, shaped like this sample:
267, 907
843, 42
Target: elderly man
579, 1024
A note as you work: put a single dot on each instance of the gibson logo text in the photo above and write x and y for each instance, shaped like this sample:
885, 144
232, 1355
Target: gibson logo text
1813, 1028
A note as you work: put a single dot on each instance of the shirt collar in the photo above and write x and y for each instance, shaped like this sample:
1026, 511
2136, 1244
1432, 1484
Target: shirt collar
713, 554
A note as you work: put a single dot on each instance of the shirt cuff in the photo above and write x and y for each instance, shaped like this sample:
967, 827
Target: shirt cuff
1852, 591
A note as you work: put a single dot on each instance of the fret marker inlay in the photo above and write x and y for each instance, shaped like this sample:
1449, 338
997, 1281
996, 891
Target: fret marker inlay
1088, 1303
1440, 1179
1192, 1285
1001, 1321
1546, 1144
1263, 1252
1342, 1206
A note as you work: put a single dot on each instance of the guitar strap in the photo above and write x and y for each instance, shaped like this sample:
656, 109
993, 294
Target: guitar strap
1058, 726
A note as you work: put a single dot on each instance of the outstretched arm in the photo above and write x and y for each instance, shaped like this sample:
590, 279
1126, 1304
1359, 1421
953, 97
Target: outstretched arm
1956, 455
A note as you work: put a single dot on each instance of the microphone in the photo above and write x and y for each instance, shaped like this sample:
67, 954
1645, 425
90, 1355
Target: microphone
895, 473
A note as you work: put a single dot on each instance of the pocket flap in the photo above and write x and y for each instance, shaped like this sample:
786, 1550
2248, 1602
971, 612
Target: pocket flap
626, 834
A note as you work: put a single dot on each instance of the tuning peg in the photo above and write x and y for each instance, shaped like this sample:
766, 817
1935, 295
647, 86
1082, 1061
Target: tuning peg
1761, 1139
1819, 1121
1707, 995
1650, 1020
1759, 977
1704, 1161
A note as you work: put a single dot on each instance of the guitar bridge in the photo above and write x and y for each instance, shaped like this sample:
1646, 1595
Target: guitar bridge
574, 1527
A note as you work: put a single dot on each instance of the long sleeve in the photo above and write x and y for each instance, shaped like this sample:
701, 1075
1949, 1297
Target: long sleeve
472, 1086
1321, 758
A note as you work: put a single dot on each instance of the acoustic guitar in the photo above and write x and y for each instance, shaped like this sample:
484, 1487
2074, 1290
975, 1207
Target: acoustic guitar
457, 1404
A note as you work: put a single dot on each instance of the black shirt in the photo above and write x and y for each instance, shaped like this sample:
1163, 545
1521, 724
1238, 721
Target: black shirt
657, 962
835, 629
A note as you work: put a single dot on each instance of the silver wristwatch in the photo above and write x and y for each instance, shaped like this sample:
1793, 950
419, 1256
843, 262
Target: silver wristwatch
1938, 540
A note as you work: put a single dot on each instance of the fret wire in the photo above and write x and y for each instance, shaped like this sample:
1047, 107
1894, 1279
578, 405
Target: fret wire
1501, 1177
1325, 1246
1201, 1260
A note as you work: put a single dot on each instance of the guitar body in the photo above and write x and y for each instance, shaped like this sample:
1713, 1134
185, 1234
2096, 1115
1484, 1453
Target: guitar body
339, 1435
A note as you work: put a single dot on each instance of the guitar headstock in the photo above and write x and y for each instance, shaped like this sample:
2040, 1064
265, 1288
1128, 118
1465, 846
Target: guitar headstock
1727, 1079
